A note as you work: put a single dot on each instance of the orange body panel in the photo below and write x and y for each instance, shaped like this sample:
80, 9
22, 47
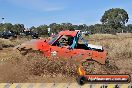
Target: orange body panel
76, 54
67, 32
63, 52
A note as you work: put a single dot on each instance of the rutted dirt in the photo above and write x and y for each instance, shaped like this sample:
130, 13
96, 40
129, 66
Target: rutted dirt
35, 68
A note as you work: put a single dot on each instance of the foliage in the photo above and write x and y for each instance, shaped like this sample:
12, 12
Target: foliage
16, 28
115, 18
113, 21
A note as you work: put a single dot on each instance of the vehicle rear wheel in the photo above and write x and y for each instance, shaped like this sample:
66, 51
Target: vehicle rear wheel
92, 67
111, 68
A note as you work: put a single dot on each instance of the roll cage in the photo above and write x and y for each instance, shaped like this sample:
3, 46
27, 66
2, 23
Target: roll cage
73, 40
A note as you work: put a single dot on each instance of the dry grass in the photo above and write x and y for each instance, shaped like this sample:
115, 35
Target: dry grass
5, 43
118, 46
121, 49
109, 36
101, 36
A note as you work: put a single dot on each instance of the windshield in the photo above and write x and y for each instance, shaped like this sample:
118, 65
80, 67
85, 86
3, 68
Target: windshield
53, 39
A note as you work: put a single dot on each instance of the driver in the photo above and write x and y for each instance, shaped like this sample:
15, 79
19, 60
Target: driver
66, 41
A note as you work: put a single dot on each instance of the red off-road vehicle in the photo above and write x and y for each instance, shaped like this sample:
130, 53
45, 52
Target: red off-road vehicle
68, 45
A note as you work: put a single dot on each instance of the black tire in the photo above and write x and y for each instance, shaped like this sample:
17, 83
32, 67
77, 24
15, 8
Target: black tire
81, 80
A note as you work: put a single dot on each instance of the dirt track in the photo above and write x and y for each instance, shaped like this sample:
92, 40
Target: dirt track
25, 69
35, 68
20, 68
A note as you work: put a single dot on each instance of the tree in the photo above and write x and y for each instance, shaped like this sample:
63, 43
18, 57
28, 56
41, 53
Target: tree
18, 28
55, 28
129, 28
5, 27
91, 29
42, 30
115, 18
67, 26
82, 27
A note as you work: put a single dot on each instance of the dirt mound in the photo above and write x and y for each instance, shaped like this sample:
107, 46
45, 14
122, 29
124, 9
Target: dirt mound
40, 65
12, 71
33, 67
24, 68
97, 68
